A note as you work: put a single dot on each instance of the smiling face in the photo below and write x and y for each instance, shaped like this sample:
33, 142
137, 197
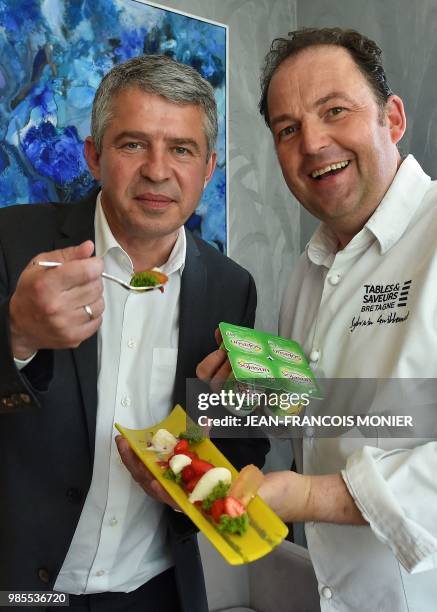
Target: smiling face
337, 152
153, 167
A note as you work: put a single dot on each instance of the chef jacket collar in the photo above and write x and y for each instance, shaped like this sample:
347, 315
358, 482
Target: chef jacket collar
389, 221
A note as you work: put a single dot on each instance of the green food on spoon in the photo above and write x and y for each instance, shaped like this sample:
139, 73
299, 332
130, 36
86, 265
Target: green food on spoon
148, 278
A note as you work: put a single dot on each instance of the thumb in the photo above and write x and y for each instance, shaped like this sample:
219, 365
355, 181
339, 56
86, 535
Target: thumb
80, 251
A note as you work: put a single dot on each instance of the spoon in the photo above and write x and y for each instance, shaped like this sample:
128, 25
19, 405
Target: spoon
119, 281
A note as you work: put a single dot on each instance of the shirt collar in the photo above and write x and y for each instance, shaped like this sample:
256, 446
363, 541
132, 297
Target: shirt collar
322, 246
392, 217
388, 222
105, 242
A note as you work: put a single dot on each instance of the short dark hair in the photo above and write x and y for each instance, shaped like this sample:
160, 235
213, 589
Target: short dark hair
365, 53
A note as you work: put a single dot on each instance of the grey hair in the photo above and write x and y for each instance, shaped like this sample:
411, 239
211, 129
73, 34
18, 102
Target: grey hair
160, 75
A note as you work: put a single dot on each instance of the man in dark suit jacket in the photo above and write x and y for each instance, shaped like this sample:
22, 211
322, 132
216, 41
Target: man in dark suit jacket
152, 151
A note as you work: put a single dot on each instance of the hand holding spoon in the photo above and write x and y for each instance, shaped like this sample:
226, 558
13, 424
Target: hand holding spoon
159, 276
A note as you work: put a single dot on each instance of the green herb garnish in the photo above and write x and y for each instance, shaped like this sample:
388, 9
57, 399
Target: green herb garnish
170, 475
234, 524
193, 434
219, 491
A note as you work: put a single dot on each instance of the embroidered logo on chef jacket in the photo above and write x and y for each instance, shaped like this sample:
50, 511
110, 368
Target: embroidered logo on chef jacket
380, 304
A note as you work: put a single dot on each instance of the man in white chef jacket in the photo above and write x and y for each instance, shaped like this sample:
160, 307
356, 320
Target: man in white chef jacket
369, 505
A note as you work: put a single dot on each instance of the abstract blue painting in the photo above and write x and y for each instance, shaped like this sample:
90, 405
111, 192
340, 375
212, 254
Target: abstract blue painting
53, 54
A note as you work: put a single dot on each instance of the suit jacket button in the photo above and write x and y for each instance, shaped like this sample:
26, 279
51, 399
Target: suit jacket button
74, 495
43, 575
25, 398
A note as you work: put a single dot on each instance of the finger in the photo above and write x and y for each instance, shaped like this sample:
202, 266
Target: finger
161, 494
222, 374
218, 336
220, 377
75, 324
94, 310
141, 474
137, 469
78, 296
91, 311
211, 364
80, 251
61, 336
77, 273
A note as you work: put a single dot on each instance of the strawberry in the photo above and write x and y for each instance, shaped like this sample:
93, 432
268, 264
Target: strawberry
191, 454
200, 466
187, 473
181, 447
217, 509
233, 507
192, 483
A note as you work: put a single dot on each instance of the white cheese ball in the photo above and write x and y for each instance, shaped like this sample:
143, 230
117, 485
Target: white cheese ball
178, 462
208, 481
163, 441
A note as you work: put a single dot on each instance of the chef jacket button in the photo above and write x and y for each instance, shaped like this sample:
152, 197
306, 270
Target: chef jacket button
334, 279
315, 355
43, 575
326, 592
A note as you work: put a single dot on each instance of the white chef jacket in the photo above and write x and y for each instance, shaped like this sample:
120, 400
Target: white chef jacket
370, 310
121, 539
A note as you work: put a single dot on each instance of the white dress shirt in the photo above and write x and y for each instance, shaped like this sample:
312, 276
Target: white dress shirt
370, 310
120, 540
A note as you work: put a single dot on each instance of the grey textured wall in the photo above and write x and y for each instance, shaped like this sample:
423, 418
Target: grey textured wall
263, 219
406, 31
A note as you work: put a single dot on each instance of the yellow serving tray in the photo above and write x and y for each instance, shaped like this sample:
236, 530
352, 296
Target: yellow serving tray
266, 530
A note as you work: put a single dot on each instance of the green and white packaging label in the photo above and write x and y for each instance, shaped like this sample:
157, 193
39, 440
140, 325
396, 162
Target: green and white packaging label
264, 362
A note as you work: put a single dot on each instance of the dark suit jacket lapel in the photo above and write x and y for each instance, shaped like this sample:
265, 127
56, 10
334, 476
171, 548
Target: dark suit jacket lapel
193, 301
77, 226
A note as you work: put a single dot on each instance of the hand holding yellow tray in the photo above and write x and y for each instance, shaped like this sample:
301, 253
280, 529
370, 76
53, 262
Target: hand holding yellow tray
266, 530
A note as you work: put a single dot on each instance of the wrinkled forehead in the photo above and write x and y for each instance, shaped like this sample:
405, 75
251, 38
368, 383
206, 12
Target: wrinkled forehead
123, 94
126, 101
